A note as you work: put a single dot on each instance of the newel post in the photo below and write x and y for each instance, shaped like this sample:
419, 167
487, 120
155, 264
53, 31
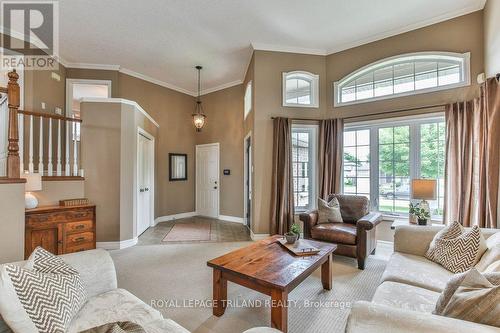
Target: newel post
13, 166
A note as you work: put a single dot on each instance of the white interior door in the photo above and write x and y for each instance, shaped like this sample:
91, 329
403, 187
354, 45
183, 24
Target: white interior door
207, 180
144, 183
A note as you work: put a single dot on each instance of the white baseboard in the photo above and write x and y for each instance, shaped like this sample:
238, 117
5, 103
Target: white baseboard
118, 245
232, 219
257, 237
174, 217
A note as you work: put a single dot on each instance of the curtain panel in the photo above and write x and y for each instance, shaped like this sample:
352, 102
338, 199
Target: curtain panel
472, 159
282, 205
331, 138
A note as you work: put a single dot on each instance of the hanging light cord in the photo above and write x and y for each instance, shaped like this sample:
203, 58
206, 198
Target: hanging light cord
199, 83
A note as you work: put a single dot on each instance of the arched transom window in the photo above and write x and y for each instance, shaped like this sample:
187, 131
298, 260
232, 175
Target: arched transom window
403, 75
300, 89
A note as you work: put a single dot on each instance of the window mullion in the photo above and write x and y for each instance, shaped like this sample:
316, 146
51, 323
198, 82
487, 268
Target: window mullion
374, 172
415, 151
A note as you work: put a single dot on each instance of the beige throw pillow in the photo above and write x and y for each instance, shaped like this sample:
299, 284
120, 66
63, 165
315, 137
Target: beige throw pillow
461, 253
471, 296
329, 212
452, 231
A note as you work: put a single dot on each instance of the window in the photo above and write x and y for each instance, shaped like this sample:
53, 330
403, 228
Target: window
300, 89
304, 157
403, 75
248, 99
381, 158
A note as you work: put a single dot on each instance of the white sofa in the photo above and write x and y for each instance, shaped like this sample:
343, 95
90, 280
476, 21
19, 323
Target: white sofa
107, 303
410, 288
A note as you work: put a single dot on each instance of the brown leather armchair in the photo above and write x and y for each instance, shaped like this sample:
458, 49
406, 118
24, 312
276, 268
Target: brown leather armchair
355, 237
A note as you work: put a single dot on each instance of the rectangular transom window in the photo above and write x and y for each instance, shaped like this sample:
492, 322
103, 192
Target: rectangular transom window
304, 164
381, 158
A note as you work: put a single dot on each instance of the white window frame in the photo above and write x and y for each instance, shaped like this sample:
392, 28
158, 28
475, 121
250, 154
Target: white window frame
374, 125
247, 100
313, 78
313, 166
404, 58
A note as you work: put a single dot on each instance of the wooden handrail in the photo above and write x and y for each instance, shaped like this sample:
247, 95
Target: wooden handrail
49, 115
4, 90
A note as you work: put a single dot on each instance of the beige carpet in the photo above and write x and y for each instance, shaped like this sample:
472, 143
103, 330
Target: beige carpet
177, 275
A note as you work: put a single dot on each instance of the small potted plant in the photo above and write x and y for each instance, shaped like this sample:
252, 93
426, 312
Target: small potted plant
412, 218
422, 215
293, 234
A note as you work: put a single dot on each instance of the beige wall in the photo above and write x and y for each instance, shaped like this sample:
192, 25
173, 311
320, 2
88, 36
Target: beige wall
492, 37
462, 34
172, 110
40, 86
224, 110
101, 135
11, 222
53, 191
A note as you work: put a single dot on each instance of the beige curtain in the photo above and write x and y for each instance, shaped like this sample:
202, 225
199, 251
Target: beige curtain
472, 159
330, 156
282, 182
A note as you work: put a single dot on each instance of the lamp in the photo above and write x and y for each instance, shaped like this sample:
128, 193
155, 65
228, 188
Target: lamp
33, 183
424, 189
198, 115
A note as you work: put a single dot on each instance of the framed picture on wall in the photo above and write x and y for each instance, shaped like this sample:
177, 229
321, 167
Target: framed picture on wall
177, 167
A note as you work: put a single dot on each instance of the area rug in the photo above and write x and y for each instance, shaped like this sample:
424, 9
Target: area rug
175, 280
188, 232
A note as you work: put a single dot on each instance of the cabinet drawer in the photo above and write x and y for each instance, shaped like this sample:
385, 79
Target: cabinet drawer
80, 248
79, 226
76, 239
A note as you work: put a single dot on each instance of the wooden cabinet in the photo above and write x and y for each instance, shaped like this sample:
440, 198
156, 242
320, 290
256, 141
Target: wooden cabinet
60, 229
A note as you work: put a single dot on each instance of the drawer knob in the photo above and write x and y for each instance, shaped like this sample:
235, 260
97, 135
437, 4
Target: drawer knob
79, 239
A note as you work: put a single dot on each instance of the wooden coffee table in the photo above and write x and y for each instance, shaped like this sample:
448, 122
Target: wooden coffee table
267, 267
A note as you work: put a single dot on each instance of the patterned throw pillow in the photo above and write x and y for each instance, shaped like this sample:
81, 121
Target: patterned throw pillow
329, 212
461, 253
49, 291
452, 231
471, 296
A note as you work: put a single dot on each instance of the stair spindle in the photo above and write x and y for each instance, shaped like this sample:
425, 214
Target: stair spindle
31, 167
49, 159
59, 165
75, 151
67, 170
21, 142
40, 149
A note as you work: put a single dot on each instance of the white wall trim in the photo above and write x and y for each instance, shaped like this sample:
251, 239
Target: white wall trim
120, 100
383, 242
156, 81
174, 217
221, 87
81, 65
229, 218
257, 237
118, 245
288, 49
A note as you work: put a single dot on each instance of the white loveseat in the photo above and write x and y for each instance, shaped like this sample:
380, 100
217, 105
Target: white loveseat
108, 303
410, 288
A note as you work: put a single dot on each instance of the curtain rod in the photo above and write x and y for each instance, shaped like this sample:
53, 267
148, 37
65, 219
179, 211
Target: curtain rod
375, 114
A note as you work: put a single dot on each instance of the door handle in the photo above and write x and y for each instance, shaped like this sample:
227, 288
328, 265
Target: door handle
215, 187
146, 189
141, 190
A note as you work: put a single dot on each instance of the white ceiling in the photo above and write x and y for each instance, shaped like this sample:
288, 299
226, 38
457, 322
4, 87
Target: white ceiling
162, 40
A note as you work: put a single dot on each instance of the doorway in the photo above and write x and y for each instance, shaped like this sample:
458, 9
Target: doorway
207, 180
77, 89
145, 181
248, 180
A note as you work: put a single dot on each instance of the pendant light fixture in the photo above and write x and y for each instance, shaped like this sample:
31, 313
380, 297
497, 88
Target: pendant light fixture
198, 115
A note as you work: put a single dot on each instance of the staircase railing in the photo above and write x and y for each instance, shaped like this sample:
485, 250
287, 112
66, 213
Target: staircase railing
36, 142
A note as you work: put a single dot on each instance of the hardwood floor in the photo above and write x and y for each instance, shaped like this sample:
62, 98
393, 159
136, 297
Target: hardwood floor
221, 231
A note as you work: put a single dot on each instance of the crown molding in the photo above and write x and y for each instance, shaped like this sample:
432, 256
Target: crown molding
422, 24
156, 81
288, 49
81, 65
220, 87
